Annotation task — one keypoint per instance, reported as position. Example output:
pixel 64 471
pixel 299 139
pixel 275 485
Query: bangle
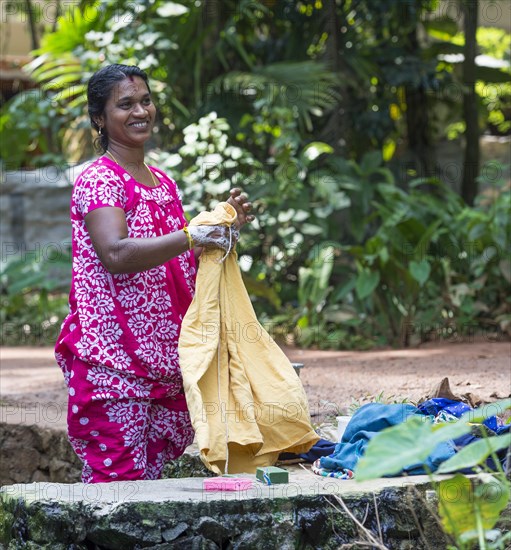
pixel 188 237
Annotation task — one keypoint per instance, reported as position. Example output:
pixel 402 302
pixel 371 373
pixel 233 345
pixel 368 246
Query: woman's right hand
pixel 214 236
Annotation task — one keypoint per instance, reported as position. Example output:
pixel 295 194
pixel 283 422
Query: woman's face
pixel 129 113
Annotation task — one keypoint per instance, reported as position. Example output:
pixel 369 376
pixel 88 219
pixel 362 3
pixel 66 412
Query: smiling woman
pixel 125 120
pixel 134 264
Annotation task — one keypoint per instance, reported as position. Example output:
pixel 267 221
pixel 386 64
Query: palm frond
pixel 308 86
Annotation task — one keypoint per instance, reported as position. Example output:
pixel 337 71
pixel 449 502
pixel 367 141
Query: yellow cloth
pixel 259 406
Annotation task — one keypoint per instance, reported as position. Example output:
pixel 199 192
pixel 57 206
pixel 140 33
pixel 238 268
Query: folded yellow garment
pixel 246 403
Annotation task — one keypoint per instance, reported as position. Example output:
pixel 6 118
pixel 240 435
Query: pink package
pixel 227 484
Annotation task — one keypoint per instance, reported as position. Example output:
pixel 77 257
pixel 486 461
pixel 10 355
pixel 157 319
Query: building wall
pixel 34 212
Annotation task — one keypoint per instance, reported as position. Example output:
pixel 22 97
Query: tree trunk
pixel 58 11
pixel 469 185
pixel 207 72
pixel 335 128
pixel 32 24
pixel 417 124
pixel 417 117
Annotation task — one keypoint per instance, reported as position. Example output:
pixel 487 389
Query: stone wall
pixel 30 453
pixel 306 513
pixel 178 514
pixel 34 211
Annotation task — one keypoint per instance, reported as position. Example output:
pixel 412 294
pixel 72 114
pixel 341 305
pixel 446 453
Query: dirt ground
pixel 334 380
pixel 32 388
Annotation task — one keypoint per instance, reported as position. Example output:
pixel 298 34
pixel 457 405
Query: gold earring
pixel 100 131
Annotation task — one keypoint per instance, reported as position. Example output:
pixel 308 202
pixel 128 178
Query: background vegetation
pixel 330 115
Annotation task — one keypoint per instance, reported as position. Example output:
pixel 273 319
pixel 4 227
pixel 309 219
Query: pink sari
pixel 118 344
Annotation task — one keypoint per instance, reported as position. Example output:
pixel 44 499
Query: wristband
pixel 188 237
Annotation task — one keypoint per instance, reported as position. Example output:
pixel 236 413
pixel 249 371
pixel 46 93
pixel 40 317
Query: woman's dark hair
pixel 99 89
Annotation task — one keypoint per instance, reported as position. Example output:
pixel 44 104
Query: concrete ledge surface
pixel 179 514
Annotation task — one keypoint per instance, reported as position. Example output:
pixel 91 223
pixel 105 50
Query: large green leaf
pixel 398 447
pixel 313 281
pixel 463 503
pixel 430 234
pixel 420 271
pixel 475 453
pixel 367 281
pixel 370 162
pixel 342 291
pixel 323 266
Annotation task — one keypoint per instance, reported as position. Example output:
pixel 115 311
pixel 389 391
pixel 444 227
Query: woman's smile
pixel 140 124
pixel 129 113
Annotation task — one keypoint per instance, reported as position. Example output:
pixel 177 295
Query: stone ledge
pixel 178 514
pixel 32 453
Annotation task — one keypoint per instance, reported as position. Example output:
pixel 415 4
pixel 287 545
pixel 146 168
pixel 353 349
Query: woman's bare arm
pixel 120 254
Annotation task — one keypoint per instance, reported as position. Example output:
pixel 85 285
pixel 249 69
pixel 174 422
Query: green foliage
pixel 494 87
pixel 282 238
pixel 45 126
pixel 424 265
pixel 469 508
pixel 34 298
pixel 493 75
pixel 474 454
pixel 260 59
pixel 308 86
pixel 301 114
pixel 313 291
pixel 33 121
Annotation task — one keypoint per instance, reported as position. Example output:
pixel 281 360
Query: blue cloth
pixel 457 408
pixel 322 448
pixel 441 453
pixel 436 404
pixel 367 422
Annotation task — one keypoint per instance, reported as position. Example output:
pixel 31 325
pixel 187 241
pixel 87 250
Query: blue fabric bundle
pixel 457 408
pixel 367 422
pixel 372 418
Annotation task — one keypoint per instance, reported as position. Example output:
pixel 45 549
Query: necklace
pixel 155 184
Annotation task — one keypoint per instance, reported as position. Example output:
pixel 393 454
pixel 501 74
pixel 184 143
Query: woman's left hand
pixel 242 205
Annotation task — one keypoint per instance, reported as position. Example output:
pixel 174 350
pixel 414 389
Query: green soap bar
pixel 273 474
